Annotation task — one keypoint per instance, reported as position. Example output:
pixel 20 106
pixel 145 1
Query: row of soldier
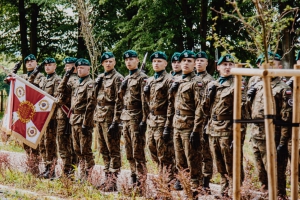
pixel 187 114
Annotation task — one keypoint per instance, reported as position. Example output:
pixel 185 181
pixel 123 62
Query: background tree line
pixel 51 28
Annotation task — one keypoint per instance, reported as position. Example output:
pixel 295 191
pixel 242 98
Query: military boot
pixel 206 187
pixel 133 179
pixel 103 184
pixel 49 174
pixel 41 175
pixel 111 183
pixel 177 185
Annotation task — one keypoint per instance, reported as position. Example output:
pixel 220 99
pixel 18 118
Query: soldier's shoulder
pixel 208 78
pixel 39 75
pixel 119 76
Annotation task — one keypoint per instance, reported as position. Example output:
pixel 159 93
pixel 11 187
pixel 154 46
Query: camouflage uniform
pixel 135 110
pixel 82 106
pixel 176 74
pixel 64 132
pixel 27 148
pixel 219 108
pixel 283 104
pixel 186 104
pixel 162 153
pixel 47 144
pixel 107 111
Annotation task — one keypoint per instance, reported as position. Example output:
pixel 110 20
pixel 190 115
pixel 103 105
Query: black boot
pixel 111 183
pixel 195 194
pixel 206 187
pixel 133 179
pixel 49 174
pixel 41 175
pixel 103 184
pixel 177 185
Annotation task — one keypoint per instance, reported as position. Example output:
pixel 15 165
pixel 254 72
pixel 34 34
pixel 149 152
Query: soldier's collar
pixel 201 73
pixel 81 79
pixel 109 72
pixel 50 75
pixel 175 73
pixel 29 73
pixel 131 72
pixel 158 74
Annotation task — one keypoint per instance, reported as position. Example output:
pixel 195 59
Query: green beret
pixel 29 57
pixel 106 55
pixel 68 60
pixel 187 54
pixel 49 60
pixel 272 56
pixel 201 54
pixel 226 58
pixel 175 57
pixel 82 62
pixel 298 56
pixel 158 54
pixel 258 60
pixel 129 54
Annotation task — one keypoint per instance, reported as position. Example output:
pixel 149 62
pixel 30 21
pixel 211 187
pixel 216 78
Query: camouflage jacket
pixel 108 108
pixel 36 80
pixel 185 104
pixel 157 99
pixel 133 98
pixel 283 103
pixel 219 108
pixel 82 100
pixel 178 74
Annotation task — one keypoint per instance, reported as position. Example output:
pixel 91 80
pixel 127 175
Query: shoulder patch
pixel 200 84
pixel 288 92
pixel 90 86
pixel 243 88
pixel 145 79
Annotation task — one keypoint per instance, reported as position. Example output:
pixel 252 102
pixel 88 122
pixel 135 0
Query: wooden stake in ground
pixel 237 136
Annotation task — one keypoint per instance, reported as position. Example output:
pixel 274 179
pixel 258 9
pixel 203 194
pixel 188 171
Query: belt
pixel 106 104
pixel 132 107
pixel 222 117
pixel 78 111
pixel 157 112
pixel 185 112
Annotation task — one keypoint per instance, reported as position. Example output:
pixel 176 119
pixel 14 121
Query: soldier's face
pixel 176 66
pixel 224 68
pixel 298 62
pixel 109 64
pixel 50 68
pixel 277 64
pixel 83 71
pixel 30 65
pixel 187 65
pixel 159 64
pixel 69 66
pixel 131 63
pixel 201 64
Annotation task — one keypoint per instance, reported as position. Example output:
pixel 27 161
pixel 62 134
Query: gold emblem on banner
pixel 44 104
pixel 31 131
pixel 26 111
pixel 20 92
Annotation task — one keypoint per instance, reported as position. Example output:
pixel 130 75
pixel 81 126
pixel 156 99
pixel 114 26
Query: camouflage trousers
pixel 223 157
pixel 207 162
pixel 109 148
pixel 135 148
pixel 31 151
pixel 83 147
pixel 290 156
pixel 162 153
pixel 48 146
pixel 260 155
pixel 187 157
pixel 65 146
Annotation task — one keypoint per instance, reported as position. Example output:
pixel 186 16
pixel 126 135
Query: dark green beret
pixel 298 56
pixel 175 57
pixel 201 54
pixel 82 62
pixel 258 60
pixel 106 55
pixel 272 56
pixel 49 60
pixel 29 57
pixel 158 54
pixel 129 54
pixel 226 58
pixel 187 54
pixel 68 60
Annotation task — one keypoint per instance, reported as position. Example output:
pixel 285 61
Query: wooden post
pixel 237 136
pixel 270 136
pixel 295 137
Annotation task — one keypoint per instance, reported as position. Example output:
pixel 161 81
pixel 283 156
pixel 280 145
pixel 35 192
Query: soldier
pixel 185 102
pixel 82 107
pixel 176 68
pixel 107 117
pixel 134 117
pixel 47 145
pixel 218 105
pixel 283 112
pixel 156 93
pixel 207 163
pixel 64 132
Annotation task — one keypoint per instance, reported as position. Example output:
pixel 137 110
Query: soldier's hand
pixel 124 84
pixel 69 72
pixel 281 152
pixel 142 128
pixel 147 89
pixel 17 67
pixel 290 83
pixel 84 130
pixel 174 87
pixel 195 140
pixel 99 81
pixel 251 93
pixel 113 129
pixel 38 68
pixel 166 134
pixel 212 91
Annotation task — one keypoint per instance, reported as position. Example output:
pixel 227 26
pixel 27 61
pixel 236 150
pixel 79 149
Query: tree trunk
pixel 203 24
pixel 186 13
pixel 81 48
pixel 23 31
pixel 35 9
